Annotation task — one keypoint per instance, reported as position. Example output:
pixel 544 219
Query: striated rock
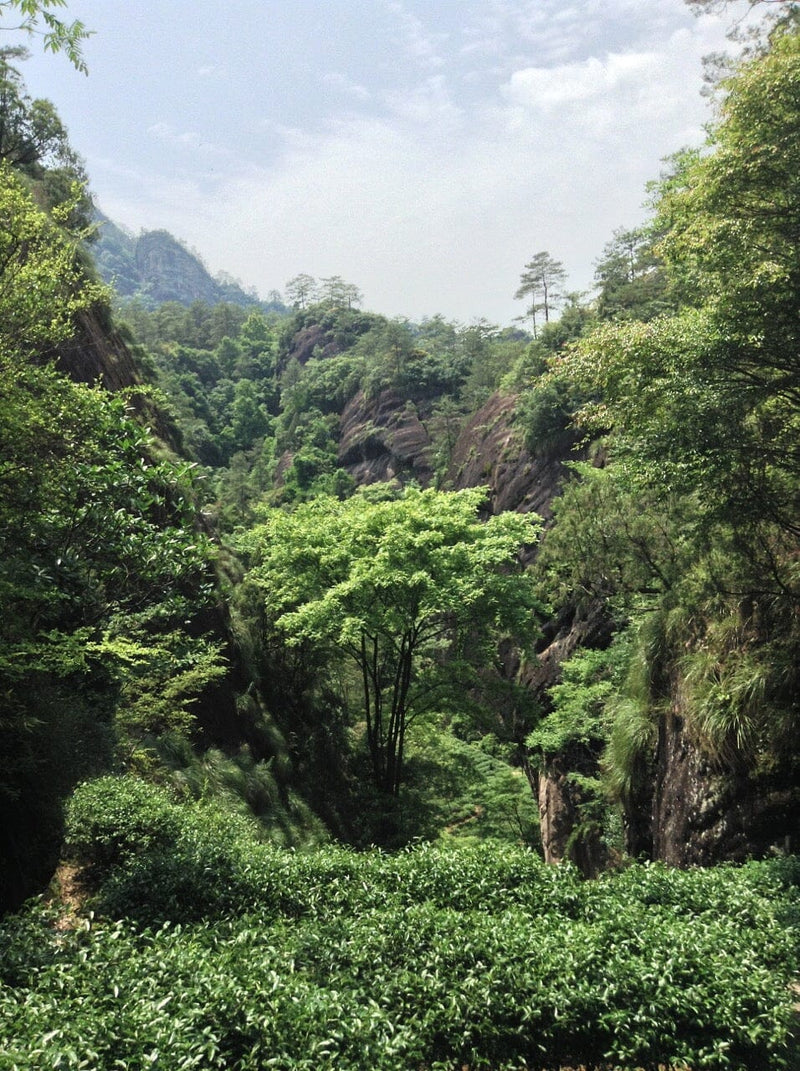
pixel 169 272
pixel 97 354
pixel 489 451
pixel 383 439
pixel 702 811
pixel 560 797
pixel 308 340
pixel 156 267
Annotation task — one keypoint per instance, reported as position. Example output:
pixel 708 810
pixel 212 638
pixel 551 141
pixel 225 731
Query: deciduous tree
pixel 412 591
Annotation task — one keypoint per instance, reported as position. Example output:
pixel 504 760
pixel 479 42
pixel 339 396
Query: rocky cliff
pixel 693 810
pixel 155 267
pixel 387 437
pixel 490 452
pixel 383 439
pixel 97 354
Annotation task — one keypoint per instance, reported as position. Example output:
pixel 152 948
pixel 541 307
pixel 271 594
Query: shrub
pixel 111 820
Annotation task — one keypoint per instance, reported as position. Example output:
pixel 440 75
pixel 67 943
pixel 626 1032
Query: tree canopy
pixel 411 589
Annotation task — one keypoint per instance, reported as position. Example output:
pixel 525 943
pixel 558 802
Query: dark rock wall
pixel 489 451
pixel 97 354
pixel 383 439
pixel 702 810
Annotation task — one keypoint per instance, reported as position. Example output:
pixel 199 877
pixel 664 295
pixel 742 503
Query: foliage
pixel 544 411
pixel 631 279
pixel 541 282
pixel 409 589
pixel 478 956
pixel 471 789
pixel 707 398
pixel 39 18
pixel 691 531
pixel 34 142
pixel 578 717
pixel 98 549
pixel 43 284
pixel 112 820
pixel 263 789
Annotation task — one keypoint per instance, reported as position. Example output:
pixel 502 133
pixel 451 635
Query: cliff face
pixel 490 452
pixel 97 354
pixel 156 267
pixel 384 439
pixel 169 272
pixel 692 810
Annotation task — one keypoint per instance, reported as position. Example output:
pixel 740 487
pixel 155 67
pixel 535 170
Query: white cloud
pixel 420 45
pixel 190 140
pixel 428 102
pixel 550 87
pixel 342 84
pixel 433 175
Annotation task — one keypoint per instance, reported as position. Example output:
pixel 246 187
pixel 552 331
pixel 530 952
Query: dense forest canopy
pixel 292 574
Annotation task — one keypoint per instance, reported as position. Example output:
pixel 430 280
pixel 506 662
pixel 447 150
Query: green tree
pixel 301 290
pixel 98 550
pixel 693 529
pixel 542 284
pixel 339 293
pixel 413 591
pixel 38 18
pixel 34 141
pixel 710 397
pixel 631 281
pixel 42 285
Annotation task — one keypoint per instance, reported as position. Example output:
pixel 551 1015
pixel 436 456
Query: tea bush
pixel 228 953
pixel 112 820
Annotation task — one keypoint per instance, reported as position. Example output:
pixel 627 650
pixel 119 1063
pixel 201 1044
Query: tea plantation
pixel 208 949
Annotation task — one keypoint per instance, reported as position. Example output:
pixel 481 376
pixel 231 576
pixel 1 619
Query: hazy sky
pixel 422 149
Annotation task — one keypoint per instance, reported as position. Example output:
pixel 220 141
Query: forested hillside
pixel 154 267
pixel 324 633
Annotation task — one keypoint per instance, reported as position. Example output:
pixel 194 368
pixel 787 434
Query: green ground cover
pixel 209 949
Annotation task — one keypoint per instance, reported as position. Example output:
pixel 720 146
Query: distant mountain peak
pixel 157 267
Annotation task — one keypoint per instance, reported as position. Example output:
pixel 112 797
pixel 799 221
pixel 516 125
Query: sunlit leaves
pixel 405 587
pixel 430 958
pixel 42 285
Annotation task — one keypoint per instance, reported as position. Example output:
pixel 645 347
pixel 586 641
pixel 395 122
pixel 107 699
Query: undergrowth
pixel 220 951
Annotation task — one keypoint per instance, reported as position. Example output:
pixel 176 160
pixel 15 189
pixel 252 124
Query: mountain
pixel 156 267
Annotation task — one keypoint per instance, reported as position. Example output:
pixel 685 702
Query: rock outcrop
pixel 702 810
pixel 490 452
pixel 97 353
pixel 383 439
pixel 169 272
pixel 156 267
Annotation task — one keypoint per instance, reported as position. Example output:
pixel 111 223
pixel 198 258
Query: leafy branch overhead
pixel 38 18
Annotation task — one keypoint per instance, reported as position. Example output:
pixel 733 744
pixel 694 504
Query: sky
pixel 423 150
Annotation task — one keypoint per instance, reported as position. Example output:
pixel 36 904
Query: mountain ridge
pixel 155 267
